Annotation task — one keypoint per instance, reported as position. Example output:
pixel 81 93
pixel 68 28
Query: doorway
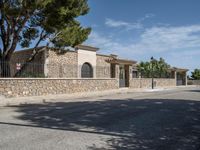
pixel 123 76
pixel 180 79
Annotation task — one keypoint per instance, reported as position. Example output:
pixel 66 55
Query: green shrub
pixel 32 75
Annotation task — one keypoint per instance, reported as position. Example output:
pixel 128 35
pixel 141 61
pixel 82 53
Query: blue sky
pixel 139 29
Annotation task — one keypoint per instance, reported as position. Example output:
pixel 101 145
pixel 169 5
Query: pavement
pixel 165 119
pixel 71 97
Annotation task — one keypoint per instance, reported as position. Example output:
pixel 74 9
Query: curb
pixel 72 97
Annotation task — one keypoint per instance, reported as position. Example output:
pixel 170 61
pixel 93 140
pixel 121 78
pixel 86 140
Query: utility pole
pixel 152 73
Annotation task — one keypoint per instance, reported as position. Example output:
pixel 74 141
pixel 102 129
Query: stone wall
pixel 62 65
pixel 19 87
pixel 165 82
pixel 147 82
pixel 36 87
pixel 65 65
pixel 103 68
pixel 193 82
pixel 140 83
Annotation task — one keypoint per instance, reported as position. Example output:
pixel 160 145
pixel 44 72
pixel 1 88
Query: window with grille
pixel 86 71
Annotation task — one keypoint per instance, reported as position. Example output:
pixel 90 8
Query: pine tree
pixel 26 22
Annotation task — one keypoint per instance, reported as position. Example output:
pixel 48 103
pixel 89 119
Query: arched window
pixel 86 71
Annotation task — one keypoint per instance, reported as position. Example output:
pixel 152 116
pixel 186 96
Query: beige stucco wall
pixel 147 82
pixel 85 56
pixel 36 87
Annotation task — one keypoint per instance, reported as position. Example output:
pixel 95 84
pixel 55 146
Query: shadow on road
pixel 193 90
pixel 132 124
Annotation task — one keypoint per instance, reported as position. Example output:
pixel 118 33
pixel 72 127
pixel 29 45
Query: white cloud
pixel 127 25
pixel 155 39
pixel 106 43
pixel 161 39
pixel 147 16
pixel 175 43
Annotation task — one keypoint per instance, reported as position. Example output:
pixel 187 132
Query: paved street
pixel 162 120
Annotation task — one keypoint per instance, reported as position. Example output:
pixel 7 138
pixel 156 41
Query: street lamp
pixel 152 73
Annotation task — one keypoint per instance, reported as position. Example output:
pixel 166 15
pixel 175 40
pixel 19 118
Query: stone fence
pixel 147 82
pixel 193 82
pixel 19 87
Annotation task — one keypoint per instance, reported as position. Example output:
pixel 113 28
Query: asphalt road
pixel 163 120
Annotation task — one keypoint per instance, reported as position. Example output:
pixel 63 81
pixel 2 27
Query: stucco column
pixel 186 79
pixel 117 74
pixel 130 75
pixel 86 56
pixel 175 77
pixel 117 71
pixel 130 72
pixel 46 62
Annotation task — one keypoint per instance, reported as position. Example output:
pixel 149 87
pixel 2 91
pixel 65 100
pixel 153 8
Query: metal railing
pixel 17 69
pixel 39 70
pixel 56 70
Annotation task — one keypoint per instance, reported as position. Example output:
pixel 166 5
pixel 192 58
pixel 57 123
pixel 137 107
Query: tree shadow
pixel 133 124
pixel 194 91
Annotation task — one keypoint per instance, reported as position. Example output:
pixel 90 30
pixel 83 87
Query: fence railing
pixel 17 69
pixel 56 70
pixel 38 70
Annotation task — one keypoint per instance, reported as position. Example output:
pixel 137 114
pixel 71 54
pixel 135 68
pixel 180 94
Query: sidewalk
pixel 71 97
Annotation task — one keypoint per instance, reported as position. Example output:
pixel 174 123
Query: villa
pixel 81 69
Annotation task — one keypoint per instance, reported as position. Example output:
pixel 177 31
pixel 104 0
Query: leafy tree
pixel 162 68
pixel 26 22
pixel 144 69
pixel 196 74
pixel 156 68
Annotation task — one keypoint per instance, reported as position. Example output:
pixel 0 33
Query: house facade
pixel 56 71
pixel 83 62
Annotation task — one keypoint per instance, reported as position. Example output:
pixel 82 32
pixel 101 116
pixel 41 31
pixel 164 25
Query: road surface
pixel 161 120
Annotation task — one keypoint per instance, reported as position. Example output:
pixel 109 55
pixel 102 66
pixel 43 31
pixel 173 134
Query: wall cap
pixel 58 79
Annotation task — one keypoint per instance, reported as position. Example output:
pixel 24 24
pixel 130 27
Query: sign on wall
pixel 18 66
